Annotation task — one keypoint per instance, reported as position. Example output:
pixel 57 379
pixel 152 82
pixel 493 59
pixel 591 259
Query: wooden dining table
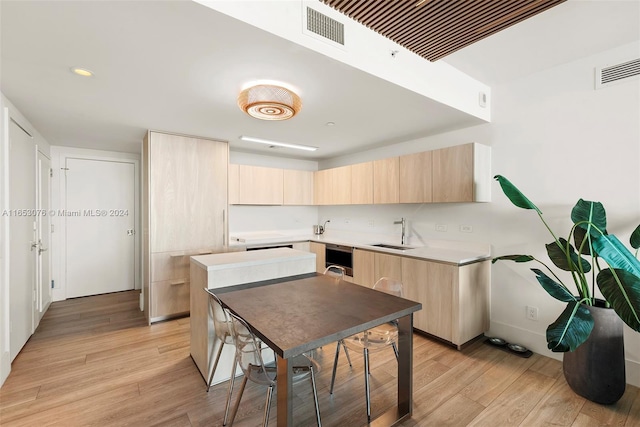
pixel 293 315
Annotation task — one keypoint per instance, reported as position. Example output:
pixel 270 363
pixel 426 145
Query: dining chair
pixel 222 327
pixel 249 356
pixel 371 340
pixel 338 272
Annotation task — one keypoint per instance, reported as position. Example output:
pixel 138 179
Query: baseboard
pixel 537 343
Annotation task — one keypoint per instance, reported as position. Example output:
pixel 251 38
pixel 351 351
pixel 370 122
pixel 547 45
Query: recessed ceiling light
pixel 82 72
pixel 278 144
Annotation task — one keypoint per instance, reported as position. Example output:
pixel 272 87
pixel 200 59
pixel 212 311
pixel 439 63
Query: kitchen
pixel 544 117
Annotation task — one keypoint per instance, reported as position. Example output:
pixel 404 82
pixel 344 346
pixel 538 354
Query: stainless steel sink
pixel 398 248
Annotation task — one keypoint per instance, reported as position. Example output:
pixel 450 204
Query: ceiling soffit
pixel 434 29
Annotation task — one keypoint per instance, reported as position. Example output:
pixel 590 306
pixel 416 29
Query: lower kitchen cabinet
pixel 386 265
pixel 319 250
pixel 455 299
pixel 363 271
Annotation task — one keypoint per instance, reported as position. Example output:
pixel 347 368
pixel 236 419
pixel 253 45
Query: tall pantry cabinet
pixel 184 213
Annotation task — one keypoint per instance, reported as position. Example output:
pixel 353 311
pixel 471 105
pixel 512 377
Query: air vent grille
pixel 615 73
pixel 324 26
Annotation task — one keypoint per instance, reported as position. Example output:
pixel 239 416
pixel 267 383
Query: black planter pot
pixel 596 370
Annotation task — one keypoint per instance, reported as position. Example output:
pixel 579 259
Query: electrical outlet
pixel 532 313
pixel 441 227
pixel 370 223
pixel 466 228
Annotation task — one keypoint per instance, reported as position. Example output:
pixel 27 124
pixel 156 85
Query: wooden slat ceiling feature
pixel 436 28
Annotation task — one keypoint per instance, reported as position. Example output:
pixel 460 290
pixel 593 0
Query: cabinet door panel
pixel 363 268
pixel 234 184
pixel 386 180
pixel 188 192
pixel 432 284
pixel 362 183
pixel 340 185
pixel 319 250
pixel 298 187
pixel 387 266
pixel 260 185
pixel 322 182
pixel 415 178
pixel 453 176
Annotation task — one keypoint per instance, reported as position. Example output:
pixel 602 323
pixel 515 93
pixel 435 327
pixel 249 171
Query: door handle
pixel 34 245
pixel 41 249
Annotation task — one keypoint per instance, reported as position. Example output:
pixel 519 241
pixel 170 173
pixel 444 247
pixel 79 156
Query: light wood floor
pixel 93 361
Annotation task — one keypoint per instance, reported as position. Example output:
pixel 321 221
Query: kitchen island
pixel 229 269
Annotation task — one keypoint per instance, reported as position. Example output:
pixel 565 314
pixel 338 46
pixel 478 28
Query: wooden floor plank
pixel 95 361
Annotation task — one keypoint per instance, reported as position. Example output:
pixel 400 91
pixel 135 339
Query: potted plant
pixel 589 330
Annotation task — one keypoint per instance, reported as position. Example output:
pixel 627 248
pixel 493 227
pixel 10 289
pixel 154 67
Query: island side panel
pixel 202 335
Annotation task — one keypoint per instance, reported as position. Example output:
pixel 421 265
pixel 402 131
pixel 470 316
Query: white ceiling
pixel 178 66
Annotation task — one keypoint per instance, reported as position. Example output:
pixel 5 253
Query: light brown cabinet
pixel 462 174
pixel 298 187
pixel 386 180
pixel 415 178
pixel 386 265
pixel 184 213
pixel 363 271
pixel 333 186
pixel 319 250
pixel 260 186
pixel 362 184
pixel 455 299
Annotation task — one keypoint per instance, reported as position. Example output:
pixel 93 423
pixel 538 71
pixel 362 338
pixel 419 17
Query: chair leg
pixel 366 383
pixel 395 349
pixel 267 406
pixel 346 351
pixel 215 365
pixel 235 407
pixel 232 380
pixel 315 396
pixel 335 367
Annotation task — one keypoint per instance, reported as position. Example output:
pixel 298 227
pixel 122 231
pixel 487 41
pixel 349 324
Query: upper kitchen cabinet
pixel 234 184
pixel 362 183
pixel 415 178
pixel 386 180
pixel 462 174
pixel 298 187
pixel 258 185
pixel 184 213
pixel 333 186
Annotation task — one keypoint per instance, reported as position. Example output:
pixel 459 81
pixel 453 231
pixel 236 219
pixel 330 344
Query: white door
pixel 43 234
pixel 99 223
pixel 22 254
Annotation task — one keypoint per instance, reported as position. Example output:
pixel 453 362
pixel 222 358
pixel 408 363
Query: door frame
pixel 59 156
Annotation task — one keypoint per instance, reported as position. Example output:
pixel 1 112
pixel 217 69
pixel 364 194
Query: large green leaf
pixel 558 255
pixel 616 254
pixel 570 329
pixel 622 290
pixel 516 258
pixel 552 287
pixel 592 212
pixel 516 197
pixel 635 238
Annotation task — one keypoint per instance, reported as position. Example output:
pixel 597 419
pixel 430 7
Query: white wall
pixel 558 140
pixel 8 111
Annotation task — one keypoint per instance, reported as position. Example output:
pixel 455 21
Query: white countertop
pixel 451 252
pixel 227 260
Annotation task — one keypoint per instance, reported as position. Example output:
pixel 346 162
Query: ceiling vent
pixel 607 76
pixel 324 26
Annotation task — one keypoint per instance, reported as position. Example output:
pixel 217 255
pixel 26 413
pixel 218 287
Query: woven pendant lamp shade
pixel 269 102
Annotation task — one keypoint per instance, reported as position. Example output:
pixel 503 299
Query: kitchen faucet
pixel 404 226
